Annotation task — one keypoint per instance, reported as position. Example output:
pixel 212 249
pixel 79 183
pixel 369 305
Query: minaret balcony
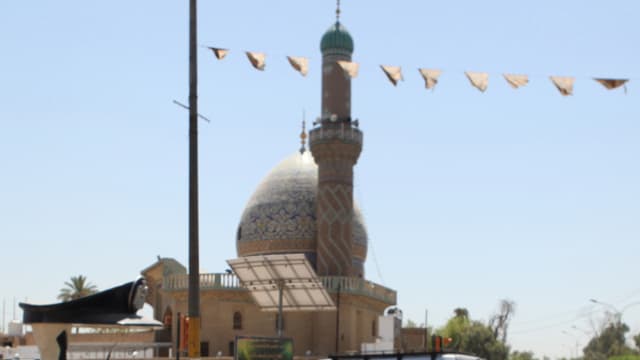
pixel 343 132
pixel 333 284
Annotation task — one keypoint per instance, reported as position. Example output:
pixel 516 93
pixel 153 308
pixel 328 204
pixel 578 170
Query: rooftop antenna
pixel 303 134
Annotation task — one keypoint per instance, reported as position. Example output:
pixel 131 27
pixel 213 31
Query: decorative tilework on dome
pixel 283 206
pixel 280 221
pixel 283 209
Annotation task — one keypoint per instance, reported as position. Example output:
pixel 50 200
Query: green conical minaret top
pixel 336 38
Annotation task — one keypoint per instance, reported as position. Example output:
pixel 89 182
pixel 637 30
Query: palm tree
pixel 76 288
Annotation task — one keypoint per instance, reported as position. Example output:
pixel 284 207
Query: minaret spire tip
pixel 303 134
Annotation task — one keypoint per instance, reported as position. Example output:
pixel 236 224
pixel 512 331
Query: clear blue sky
pixel 469 197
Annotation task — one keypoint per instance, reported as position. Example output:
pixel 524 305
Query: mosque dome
pixel 280 216
pixel 336 38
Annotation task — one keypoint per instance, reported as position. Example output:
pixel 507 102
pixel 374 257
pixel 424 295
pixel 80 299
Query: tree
pixel 499 323
pixel 478 339
pixel 637 340
pixel 608 343
pixel 472 337
pixel 75 288
pixel 410 324
pixel 522 355
pixel 461 312
pixel 456 326
pixel 625 357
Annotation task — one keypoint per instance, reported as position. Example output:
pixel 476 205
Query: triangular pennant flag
pixel 219 53
pixel 613 83
pixel 564 84
pixel 394 73
pixel 301 64
pixel 430 77
pixel 257 59
pixel 350 68
pixel 516 81
pixel 479 80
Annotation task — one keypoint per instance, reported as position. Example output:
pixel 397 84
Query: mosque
pixel 303 205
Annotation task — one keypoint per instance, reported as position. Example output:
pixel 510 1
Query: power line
pixel 555 324
pixel 577 315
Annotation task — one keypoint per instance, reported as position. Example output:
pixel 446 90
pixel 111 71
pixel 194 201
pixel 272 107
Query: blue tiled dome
pixel 280 217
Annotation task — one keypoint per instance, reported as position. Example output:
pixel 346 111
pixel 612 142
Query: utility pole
pixel 194 254
pixel 426 330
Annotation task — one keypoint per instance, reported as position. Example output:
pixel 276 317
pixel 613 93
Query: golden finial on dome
pixel 303 135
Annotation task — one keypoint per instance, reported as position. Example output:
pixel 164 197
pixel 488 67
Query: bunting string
pixel 479 80
pixel 564 84
pixel 430 77
pixel 300 64
pixel 219 53
pixel 350 68
pixel 516 81
pixel 257 59
pixel 613 83
pixel 394 73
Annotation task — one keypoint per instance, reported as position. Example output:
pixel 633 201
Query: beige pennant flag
pixel 349 68
pixel 516 81
pixel 564 84
pixel 219 53
pixel 480 80
pixel 430 77
pixel 257 59
pixel 394 73
pixel 613 83
pixel 301 64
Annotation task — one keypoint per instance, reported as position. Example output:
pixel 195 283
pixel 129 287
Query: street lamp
pixel 617 313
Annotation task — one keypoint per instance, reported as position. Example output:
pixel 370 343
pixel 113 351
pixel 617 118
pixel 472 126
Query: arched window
pixel 237 321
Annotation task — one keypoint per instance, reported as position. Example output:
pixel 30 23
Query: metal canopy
pixel 265 275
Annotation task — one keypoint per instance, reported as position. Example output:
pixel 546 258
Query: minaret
pixel 335 144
